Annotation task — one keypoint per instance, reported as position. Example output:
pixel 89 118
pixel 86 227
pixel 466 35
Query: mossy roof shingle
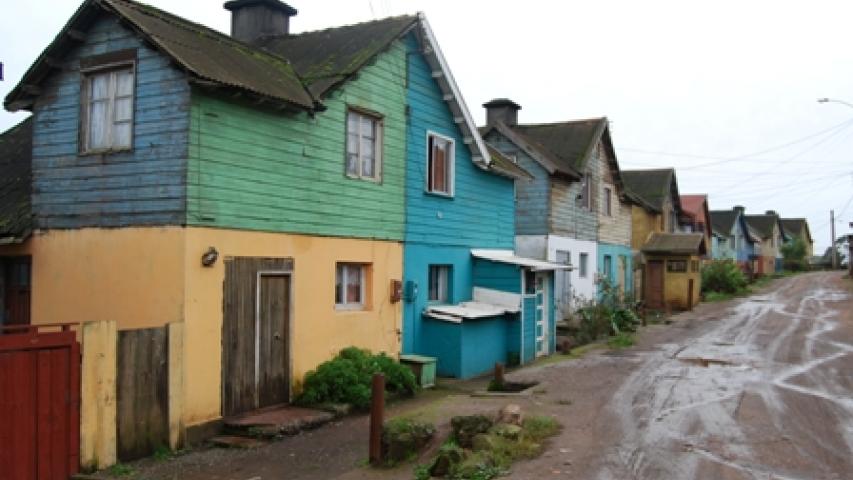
pixel 762 224
pixel 676 243
pixel 653 186
pixel 16 182
pixel 722 221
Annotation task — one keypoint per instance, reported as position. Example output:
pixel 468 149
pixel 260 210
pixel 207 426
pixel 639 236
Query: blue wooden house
pixel 469 300
pixel 733 239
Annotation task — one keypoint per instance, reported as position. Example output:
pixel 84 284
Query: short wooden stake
pixel 377 415
pixel 499 374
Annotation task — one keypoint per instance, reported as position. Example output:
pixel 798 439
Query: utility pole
pixel 832 243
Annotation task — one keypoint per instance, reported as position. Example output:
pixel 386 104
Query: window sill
pixel 350 308
pixel 448 196
pixel 109 151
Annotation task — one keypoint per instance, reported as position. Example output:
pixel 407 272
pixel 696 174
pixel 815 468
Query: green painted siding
pixel 261 169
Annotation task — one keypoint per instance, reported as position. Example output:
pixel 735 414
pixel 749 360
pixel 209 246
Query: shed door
pixel 563 284
pixel 255 334
pixel 654 284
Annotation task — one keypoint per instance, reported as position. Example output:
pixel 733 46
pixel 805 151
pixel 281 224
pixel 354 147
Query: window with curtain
pixel 350 286
pixel 440 164
pixel 108 110
pixel 439 283
pixel 364 146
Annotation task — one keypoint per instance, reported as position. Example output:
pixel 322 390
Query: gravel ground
pixel 752 388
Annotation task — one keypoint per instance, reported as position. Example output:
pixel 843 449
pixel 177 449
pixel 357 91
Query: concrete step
pixel 276 421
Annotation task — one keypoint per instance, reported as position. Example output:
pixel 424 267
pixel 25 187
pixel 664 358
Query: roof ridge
pixel 348 25
pixel 564 122
pixel 16 126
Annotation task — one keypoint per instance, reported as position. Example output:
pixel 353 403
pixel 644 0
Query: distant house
pixel 799 228
pixel 768 228
pixel 733 239
pixel 695 216
pixel 556 215
pixel 668 276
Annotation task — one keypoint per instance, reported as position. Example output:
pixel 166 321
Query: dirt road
pixel 759 387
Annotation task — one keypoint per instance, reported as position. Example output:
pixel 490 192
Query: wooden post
pixel 377 414
pixel 499 374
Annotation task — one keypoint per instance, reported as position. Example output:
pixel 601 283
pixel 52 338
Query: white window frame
pixel 443 288
pixel 86 106
pixel 377 144
pixel 451 166
pixel 345 276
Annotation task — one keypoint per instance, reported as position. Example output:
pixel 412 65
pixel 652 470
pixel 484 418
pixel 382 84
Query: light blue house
pixel 468 300
pixel 733 239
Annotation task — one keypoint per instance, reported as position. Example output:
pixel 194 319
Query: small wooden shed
pixel 672 270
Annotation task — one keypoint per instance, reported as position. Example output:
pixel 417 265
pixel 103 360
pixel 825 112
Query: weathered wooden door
pixel 255 334
pixel 39 404
pixel 654 284
pixel 563 285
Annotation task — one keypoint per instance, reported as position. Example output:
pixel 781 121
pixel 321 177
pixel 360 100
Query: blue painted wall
pixel 615 252
pixel 532 196
pixel 442 230
pixel 145 186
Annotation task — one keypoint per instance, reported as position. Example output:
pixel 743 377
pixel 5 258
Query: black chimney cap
pixel 502 102
pixel 235 4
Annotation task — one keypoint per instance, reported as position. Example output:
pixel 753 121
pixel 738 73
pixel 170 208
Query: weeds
pixel 621 340
pixel 121 470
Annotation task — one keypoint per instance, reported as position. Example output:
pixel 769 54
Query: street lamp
pixel 832 100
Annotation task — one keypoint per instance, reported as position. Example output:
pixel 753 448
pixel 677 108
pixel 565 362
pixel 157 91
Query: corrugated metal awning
pixel 508 256
pixel 466 310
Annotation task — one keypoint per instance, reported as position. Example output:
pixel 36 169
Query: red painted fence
pixel 39 402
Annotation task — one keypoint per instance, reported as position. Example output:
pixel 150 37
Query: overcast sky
pixel 724 91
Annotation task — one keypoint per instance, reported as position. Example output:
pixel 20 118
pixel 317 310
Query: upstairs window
pixel 439 164
pixel 108 110
pixel 608 206
pixel 364 146
pixel 439 283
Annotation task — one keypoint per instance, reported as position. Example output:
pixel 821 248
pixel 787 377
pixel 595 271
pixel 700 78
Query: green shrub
pixel 723 276
pixel 794 255
pixel 347 379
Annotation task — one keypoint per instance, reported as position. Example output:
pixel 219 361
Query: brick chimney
pixel 739 208
pixel 502 109
pixel 771 212
pixel 252 19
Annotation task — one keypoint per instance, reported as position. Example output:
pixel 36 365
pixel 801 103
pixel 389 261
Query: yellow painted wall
pixel 319 331
pixel 643 224
pixel 132 276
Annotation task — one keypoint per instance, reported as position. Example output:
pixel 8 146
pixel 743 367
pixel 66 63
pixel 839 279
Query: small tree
pixel 723 276
pixel 794 255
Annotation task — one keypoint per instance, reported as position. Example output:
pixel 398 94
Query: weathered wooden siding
pixel 614 229
pixel 567 218
pixel 531 205
pixel 257 169
pixel 643 224
pixel 145 186
pixel 481 212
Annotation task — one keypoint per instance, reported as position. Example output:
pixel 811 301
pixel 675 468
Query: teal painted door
pixel 542 314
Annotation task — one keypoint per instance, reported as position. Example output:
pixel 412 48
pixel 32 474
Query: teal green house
pixel 469 301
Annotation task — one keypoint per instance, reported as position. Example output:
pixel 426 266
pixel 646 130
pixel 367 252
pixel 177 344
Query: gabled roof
pixel 723 221
pixel 762 224
pixel 326 58
pixel 676 243
pixel 209 57
pixel 796 227
pixel 653 186
pixel 16 146
pixel 694 205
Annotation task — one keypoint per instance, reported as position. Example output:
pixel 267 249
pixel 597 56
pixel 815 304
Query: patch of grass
pixel 621 340
pixel 539 427
pixel 121 470
pixel 422 472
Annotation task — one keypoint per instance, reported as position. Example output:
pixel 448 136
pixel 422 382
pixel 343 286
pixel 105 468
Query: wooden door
pixel 273 356
pixel 654 284
pixel 39 404
pixel 255 333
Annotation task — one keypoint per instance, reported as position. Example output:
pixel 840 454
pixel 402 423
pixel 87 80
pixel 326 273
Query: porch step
pixel 229 441
pixel 276 421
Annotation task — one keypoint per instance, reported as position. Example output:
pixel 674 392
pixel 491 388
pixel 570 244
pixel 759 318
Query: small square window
pixel 108 110
pixel 364 146
pixel 350 286
pixel 440 157
pixel 439 283
pixel 676 266
pixel 582 268
pixel 694 265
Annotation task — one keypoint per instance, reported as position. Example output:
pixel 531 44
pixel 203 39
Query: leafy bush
pixel 610 315
pixel 723 276
pixel 347 379
pixel 794 255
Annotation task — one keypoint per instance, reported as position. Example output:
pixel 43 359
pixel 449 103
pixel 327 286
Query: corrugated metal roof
pixel 16 220
pixel 508 256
